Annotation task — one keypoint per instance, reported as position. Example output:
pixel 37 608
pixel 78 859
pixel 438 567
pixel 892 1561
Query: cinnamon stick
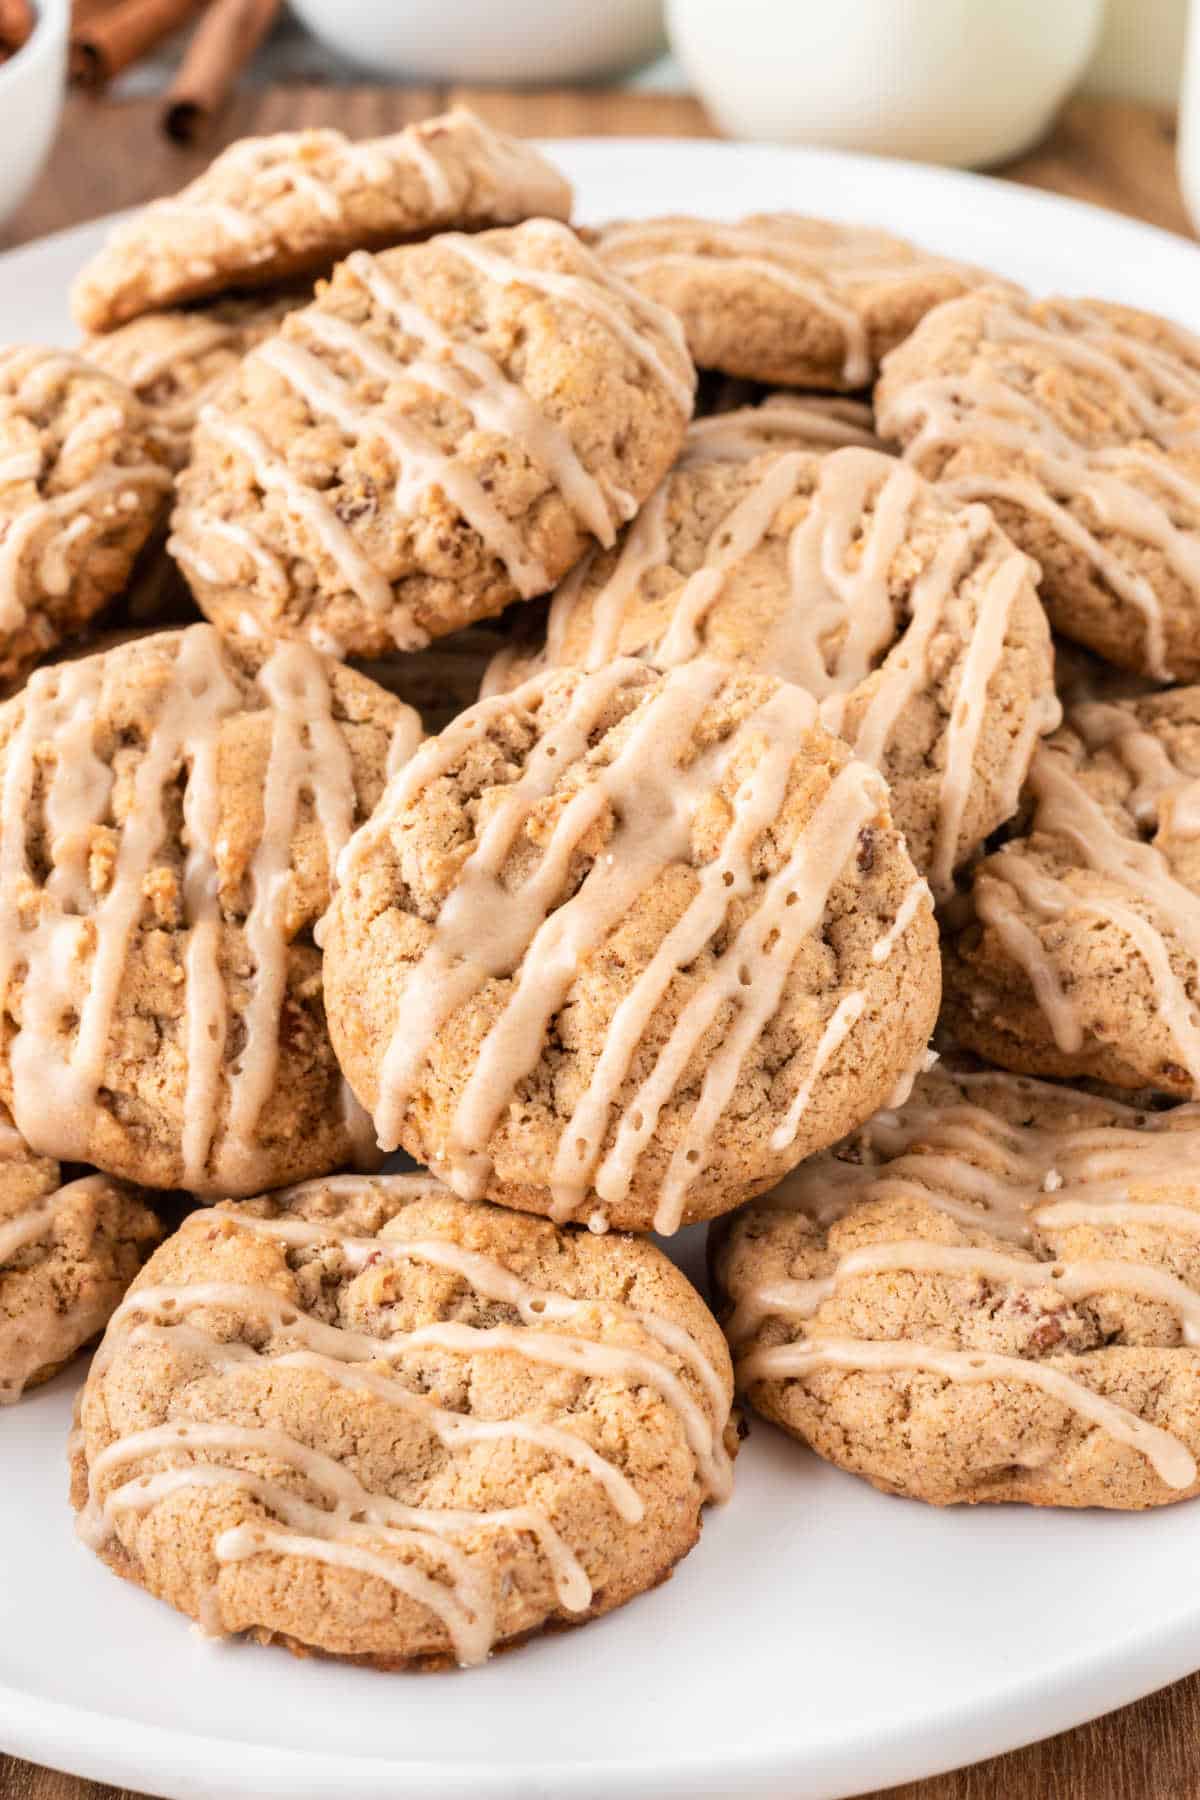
pixel 104 43
pixel 226 38
pixel 16 26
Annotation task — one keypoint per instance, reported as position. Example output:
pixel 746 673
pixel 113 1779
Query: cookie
pixel 784 299
pixel 621 948
pixel 992 1293
pixel 781 421
pixel 1078 423
pixel 914 623
pixel 445 430
pixel 375 1421
pixel 67 1255
pixel 82 485
pixel 1081 953
pixel 272 208
pixel 171 811
pixel 176 362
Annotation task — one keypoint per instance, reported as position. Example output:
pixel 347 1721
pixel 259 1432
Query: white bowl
pixel 948 81
pixel 31 98
pixel 524 42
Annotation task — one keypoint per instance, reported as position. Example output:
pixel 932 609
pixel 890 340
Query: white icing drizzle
pixel 1023 1184
pixel 466 374
pixel 837 623
pixel 273 475
pixel 420 465
pixel 445 365
pixel 907 911
pixel 1160 387
pixel 782 421
pixel 485 932
pixel 1169 1457
pixel 1142 898
pixel 601 293
pixel 827 274
pixel 38 530
pixel 72 950
pixel 350 1525
pixel 247 178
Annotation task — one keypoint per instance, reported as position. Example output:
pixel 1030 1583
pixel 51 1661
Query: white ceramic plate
pixel 822 1639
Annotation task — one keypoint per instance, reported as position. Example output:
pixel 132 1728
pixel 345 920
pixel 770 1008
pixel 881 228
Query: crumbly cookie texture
pixel 1081 952
pixel 82 485
pixel 990 1293
pixel 780 298
pixel 621 947
pixel 370 1419
pixel 272 208
pixel 67 1255
pixel 914 623
pixel 178 361
pixel 444 431
pixel 172 811
pixel 1078 422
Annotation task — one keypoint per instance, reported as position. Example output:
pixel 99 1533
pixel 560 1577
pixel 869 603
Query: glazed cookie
pixel 622 947
pixel 992 1293
pixel 445 430
pixel 781 421
pixel 1079 424
pixel 176 362
pixel 785 299
pixel 269 209
pixel 1082 953
pixel 171 812
pixel 67 1255
pixel 915 623
pixel 82 484
pixel 375 1421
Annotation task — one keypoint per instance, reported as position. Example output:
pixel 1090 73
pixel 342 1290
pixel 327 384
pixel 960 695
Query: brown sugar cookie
pixel 271 208
pixel 177 361
pixel 621 947
pixel 379 1422
pixel 82 485
pixel 914 622
pixel 1081 952
pixel 67 1254
pixel 445 430
pixel 1078 422
pixel 171 812
pixel 785 299
pixel 991 1293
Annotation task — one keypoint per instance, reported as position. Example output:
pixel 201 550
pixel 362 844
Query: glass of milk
pixel 950 81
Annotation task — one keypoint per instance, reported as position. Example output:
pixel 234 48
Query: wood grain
pixel 1112 154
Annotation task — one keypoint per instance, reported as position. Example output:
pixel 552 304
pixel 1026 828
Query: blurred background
pixel 106 102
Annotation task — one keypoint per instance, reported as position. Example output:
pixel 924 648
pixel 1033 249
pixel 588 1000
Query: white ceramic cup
pixel 31 97
pixel 951 81
pixel 523 42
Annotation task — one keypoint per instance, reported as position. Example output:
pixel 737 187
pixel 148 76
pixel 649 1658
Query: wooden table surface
pixel 1108 152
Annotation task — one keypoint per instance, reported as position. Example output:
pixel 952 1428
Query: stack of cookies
pixel 590 800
